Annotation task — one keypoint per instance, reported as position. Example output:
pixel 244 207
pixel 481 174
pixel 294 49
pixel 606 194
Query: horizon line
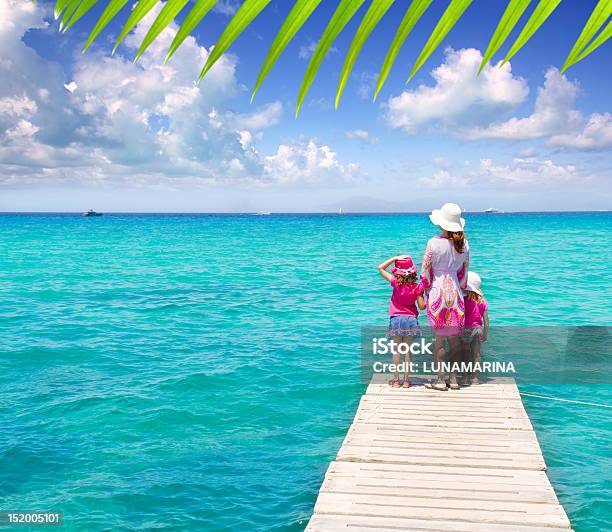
pixel 335 213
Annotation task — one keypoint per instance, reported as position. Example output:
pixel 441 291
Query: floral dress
pixel 444 275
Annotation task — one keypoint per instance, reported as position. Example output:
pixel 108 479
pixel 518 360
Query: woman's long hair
pixel 458 239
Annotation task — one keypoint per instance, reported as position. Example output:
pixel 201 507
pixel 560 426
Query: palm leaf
pixel 60 5
pixel 70 9
pixel 543 10
pixel 601 38
pixel 450 17
pixel 343 14
pixel 243 17
pixel 85 6
pixel 197 13
pixel 600 14
pixel 509 19
pixel 113 7
pixel 372 17
pixel 166 16
pixel 299 14
pixel 140 11
pixel 412 16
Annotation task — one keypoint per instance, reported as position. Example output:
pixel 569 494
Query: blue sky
pixel 94 130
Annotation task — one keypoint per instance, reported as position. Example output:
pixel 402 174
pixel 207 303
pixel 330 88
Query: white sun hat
pixel 448 217
pixel 473 283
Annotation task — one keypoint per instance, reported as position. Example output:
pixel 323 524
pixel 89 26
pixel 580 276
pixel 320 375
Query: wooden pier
pixel 419 459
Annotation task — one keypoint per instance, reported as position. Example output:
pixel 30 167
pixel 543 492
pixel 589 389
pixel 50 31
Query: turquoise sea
pixel 200 371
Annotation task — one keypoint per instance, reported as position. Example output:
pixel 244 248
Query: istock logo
pixel 385 346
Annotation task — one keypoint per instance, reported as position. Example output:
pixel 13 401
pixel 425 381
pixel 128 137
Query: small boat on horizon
pixel 91 212
pixel 491 210
pixel 263 213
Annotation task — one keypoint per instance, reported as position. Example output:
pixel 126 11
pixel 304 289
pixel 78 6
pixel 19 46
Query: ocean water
pixel 199 372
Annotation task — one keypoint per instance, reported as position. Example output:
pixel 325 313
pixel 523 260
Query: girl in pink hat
pixel 403 312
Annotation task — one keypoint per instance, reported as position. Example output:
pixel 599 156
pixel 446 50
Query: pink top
pixel 403 299
pixel 474 312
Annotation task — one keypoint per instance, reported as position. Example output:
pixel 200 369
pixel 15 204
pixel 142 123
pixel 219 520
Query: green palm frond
pixel 60 5
pixel 197 13
pixel 591 37
pixel 243 17
pixel 450 17
pixel 295 20
pixel 341 17
pixel 113 7
pixel 543 10
pixel 139 12
pixel 83 8
pixel 166 16
pixel 601 38
pixel 68 12
pixel 601 13
pixel 412 16
pixel 377 9
pixel 507 23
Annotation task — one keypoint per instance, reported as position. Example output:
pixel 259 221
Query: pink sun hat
pixel 404 266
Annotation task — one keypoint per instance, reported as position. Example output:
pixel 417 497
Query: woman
pixel 444 275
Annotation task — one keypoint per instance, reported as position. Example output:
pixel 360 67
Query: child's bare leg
pixel 396 360
pixel 466 356
pixel 455 356
pixel 439 359
pixel 475 348
pixel 407 340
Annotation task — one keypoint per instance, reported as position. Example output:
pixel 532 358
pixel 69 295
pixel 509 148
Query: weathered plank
pixel 352 523
pixel 420 459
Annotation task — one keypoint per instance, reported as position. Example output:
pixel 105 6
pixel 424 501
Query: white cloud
pixel 367 84
pixel 596 134
pixel 553 111
pixel 17 106
pixel 267 116
pixel 459 97
pixel 226 7
pixel 309 162
pixel 519 172
pixel 554 119
pixel 144 123
pixel 306 50
pixel 362 135
pixel 444 179
pixel 528 171
pixel 23 129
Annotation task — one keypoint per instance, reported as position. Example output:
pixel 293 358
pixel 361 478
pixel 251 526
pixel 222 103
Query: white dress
pixel 443 275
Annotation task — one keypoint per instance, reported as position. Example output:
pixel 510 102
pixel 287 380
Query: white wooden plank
pixel 450 458
pixel 435 410
pixel 414 420
pixel 407 442
pixel 437 489
pixel 443 398
pixel 461 487
pixel 351 523
pixel 433 432
pixel 405 470
pixel 448 509
pixel 444 402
